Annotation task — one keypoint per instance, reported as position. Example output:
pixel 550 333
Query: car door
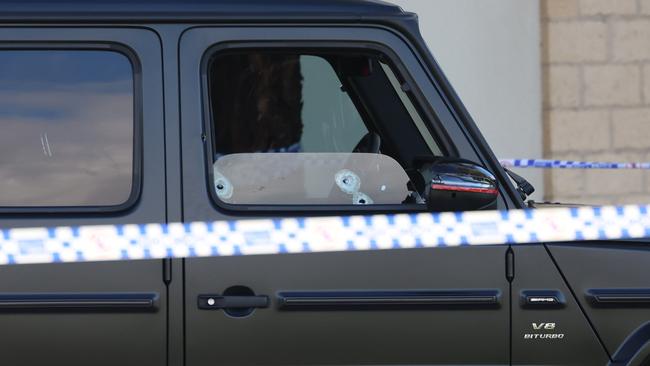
pixel 364 311
pixel 82 143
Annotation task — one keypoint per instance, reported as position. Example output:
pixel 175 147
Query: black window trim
pixel 137 166
pixel 430 119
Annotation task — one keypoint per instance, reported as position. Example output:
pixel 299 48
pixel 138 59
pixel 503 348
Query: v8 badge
pixel 543 330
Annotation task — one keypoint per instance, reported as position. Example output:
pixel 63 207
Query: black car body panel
pixel 569 304
pixel 104 336
pixel 610 282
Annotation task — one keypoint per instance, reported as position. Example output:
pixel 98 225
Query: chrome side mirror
pixel 457 185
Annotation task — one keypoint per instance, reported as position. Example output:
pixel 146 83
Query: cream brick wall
pixel 596 79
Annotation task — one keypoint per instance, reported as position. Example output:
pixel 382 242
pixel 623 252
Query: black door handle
pixel 215 302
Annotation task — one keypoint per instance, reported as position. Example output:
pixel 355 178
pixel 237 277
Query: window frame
pixel 137 152
pixel 426 112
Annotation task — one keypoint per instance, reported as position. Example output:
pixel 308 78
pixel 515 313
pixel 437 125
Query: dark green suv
pixel 115 112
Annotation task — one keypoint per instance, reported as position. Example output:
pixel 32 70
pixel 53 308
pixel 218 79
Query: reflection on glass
pixel 66 128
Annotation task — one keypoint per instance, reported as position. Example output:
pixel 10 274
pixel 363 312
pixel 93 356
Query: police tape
pixel 570 164
pixel 321 234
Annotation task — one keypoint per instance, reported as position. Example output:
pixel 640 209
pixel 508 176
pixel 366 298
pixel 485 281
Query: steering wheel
pixel 369 143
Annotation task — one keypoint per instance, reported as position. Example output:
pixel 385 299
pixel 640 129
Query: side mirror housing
pixel 457 185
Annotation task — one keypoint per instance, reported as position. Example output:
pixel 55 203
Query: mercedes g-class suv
pixel 139 111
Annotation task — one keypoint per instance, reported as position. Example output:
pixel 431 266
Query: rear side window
pixel 67 122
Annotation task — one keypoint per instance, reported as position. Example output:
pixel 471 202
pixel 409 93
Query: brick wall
pixel 596 80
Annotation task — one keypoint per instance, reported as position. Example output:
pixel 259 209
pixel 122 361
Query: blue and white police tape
pixel 570 164
pixel 324 234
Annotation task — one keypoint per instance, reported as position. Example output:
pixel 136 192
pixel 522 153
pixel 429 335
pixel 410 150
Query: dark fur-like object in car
pixel 256 102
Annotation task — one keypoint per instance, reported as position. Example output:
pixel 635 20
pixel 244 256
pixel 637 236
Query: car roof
pixel 31 10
